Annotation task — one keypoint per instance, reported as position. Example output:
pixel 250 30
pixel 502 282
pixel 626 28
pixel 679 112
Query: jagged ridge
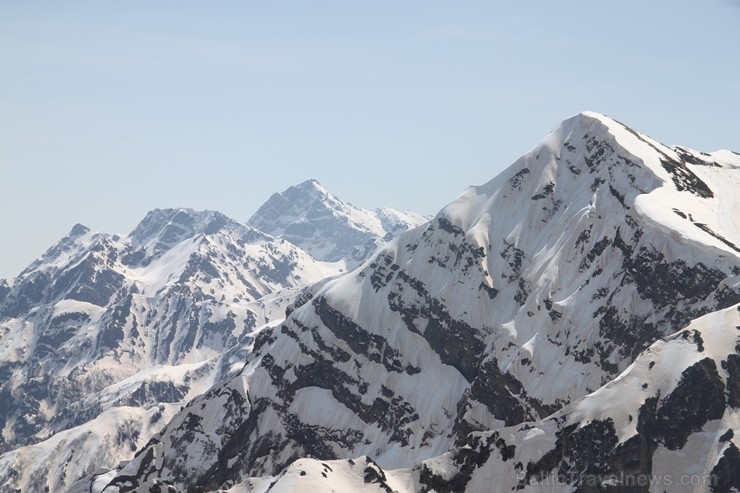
pixel 309 216
pixel 104 336
pixel 517 299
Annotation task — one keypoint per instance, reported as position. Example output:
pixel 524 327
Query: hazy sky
pixel 111 108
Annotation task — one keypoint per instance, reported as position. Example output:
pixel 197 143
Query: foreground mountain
pixel 574 316
pixel 666 424
pixel 104 337
pixel 309 216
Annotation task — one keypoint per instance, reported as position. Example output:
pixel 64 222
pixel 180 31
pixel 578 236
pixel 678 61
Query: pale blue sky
pixel 111 108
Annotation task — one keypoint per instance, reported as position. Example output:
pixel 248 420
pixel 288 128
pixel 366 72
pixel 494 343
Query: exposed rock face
pixel 665 422
pixel 515 330
pixel 309 216
pixel 101 323
pixel 105 336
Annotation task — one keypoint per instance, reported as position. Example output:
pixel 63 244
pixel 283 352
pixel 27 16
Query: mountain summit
pixel 104 337
pixel 308 216
pixel 574 318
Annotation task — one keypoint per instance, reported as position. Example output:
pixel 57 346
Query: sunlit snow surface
pixel 547 301
pixel 586 287
pixel 104 336
pixel 329 229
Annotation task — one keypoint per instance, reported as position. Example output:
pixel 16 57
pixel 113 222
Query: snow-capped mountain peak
pixel 523 296
pixel 309 216
pixel 104 337
pixel 161 229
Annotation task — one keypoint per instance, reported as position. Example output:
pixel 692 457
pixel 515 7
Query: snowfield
pixel 571 325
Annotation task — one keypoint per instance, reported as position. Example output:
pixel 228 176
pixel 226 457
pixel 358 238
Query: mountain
pixel 673 426
pixel 308 216
pixel 667 423
pixel 576 315
pixel 100 323
pixel 104 337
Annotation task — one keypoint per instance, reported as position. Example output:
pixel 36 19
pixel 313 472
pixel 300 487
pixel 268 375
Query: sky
pixel 109 109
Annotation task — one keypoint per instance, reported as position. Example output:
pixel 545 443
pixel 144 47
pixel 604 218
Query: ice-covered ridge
pixel 102 324
pixel 312 218
pixel 685 191
pixel 614 420
pixel 709 182
pixel 517 300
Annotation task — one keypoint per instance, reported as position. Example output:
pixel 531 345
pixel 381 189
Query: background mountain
pixel 575 315
pixel 308 216
pixel 104 336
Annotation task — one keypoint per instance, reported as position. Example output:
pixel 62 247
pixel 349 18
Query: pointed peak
pixel 309 186
pixel 311 182
pixel 291 205
pixel 593 115
pixel 310 217
pixel 169 226
pixel 302 196
pixel 162 217
pixel 590 126
pixel 586 119
pixel 78 230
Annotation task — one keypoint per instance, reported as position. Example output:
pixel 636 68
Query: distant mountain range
pixel 573 325
pixel 104 337
pixel 308 216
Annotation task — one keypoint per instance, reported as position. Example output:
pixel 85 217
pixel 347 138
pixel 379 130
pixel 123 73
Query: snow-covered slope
pixel 667 423
pixel 103 322
pixel 519 299
pixel 104 336
pixel 309 216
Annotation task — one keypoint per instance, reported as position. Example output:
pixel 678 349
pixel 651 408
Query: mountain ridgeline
pixel 309 216
pixel 105 336
pixel 572 325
